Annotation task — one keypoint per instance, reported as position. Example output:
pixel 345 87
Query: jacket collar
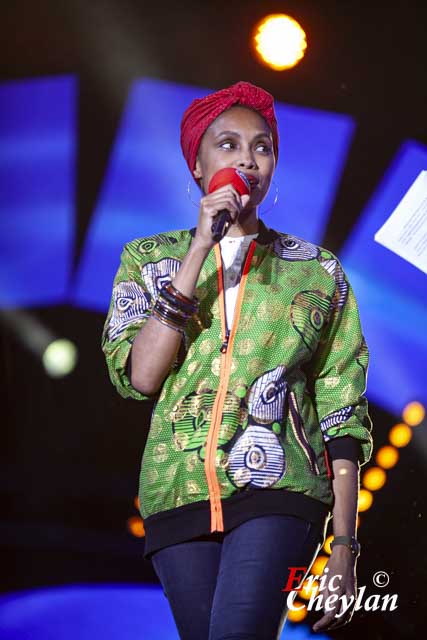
pixel 265 234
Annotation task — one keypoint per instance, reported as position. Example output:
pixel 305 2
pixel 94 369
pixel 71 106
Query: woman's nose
pixel 247 161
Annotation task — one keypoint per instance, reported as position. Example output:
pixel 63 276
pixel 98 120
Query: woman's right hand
pixel 226 197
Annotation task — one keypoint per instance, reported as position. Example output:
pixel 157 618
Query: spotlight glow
pixel 327 545
pixel 318 565
pixel 365 500
pixel 387 457
pixel 280 42
pixel 374 478
pixel 297 614
pixel 309 588
pixel 400 435
pixel 414 413
pixel 136 526
pixel 59 358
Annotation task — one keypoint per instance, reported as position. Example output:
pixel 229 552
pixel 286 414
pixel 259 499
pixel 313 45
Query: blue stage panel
pixel 145 186
pixel 89 612
pixel 37 187
pixel 391 293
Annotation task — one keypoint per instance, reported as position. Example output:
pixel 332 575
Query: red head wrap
pixel 203 111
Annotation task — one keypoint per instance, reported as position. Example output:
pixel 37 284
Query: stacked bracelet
pixel 178 299
pixel 173 309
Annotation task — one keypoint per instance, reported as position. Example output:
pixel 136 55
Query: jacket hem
pixel 193 520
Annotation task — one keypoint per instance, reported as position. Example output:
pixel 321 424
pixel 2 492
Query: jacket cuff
pixel 344 447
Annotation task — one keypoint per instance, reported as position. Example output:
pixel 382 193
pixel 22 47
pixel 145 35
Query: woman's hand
pixel 226 197
pixel 342 565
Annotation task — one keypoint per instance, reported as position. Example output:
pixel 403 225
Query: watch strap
pixel 347 541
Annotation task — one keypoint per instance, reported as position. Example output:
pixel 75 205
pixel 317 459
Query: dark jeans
pixel 232 589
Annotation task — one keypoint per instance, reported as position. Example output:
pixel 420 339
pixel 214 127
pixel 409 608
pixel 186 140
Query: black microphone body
pixel 239 180
pixel 220 225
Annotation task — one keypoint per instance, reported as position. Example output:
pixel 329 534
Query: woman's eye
pixel 264 148
pixel 227 144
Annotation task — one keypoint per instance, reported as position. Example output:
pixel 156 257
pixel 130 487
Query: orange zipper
pixel 217 523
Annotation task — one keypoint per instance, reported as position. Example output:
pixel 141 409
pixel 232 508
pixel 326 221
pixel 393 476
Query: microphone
pixel 242 185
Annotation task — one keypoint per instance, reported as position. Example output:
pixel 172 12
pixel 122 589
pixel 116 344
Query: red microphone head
pixel 232 176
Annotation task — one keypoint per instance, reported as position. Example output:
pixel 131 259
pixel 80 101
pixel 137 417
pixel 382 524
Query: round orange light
pixel 136 502
pixel 327 545
pixel 136 526
pixel 400 435
pixel 374 478
pixel 308 588
pixel 298 614
pixel 365 500
pixel 414 413
pixel 387 457
pixel 318 565
pixel 280 42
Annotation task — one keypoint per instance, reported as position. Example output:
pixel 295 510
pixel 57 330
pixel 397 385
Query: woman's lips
pixel 253 180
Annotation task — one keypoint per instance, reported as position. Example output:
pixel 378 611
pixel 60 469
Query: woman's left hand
pixel 341 584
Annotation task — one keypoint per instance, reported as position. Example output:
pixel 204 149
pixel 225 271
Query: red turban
pixel 203 111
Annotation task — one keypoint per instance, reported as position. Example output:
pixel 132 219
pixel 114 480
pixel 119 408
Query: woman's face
pixel 239 138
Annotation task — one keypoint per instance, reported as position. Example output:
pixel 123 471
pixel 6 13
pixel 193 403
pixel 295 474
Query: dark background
pixel 71 448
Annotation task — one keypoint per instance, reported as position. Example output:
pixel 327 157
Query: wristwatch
pixel 349 542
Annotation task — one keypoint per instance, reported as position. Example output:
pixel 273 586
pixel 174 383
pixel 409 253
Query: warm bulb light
pixel 414 413
pixel 318 565
pixel 298 614
pixel 327 545
pixel 400 435
pixel 365 500
pixel 374 478
pixel 136 526
pixel 387 457
pixel 309 587
pixel 280 41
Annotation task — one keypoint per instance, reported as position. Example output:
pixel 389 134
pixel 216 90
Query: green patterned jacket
pixel 255 415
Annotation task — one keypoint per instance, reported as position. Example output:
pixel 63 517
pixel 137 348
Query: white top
pixel 233 253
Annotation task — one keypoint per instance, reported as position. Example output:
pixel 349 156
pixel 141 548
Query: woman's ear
pixel 197 172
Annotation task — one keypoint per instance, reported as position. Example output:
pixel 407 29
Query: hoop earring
pixel 276 197
pixel 193 202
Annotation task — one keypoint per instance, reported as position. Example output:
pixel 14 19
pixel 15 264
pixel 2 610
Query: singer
pixel 249 341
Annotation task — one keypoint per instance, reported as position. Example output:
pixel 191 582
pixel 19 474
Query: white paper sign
pixel 405 231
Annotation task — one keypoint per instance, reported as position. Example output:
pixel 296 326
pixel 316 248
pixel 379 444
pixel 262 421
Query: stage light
pixel 298 614
pixel 58 355
pixel 59 358
pixel 136 502
pixel 414 413
pixel 136 526
pixel 318 565
pixel 365 500
pixel 309 588
pixel 400 435
pixel 387 457
pixel 327 545
pixel 374 478
pixel 280 42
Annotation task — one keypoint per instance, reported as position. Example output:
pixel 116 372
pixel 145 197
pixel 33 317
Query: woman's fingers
pixel 225 198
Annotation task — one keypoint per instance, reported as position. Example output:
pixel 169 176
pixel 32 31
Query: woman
pixel 253 350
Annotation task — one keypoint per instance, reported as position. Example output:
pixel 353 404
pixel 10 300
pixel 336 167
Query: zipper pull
pixel 224 345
